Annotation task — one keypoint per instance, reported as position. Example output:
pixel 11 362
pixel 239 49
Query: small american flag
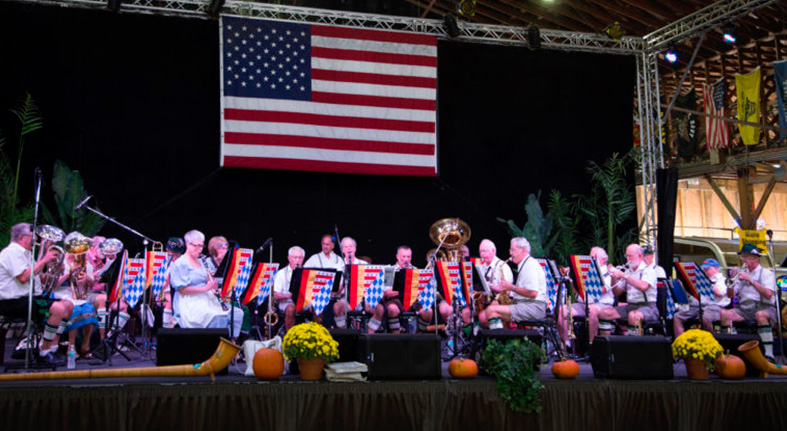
pixel 328 99
pixel 715 129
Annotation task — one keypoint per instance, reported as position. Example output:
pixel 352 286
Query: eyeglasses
pixel 197 245
pixel 224 246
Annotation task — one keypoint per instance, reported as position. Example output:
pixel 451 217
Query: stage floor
pixel 234 401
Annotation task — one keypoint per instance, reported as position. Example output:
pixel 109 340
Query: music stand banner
pixel 261 282
pixel 449 281
pixel 467 279
pixel 357 284
pixel 315 289
pixel 156 278
pixel 374 281
pixel 551 285
pixel 412 279
pixel 588 279
pixel 239 272
pixel 426 288
pixel 134 281
pixel 696 281
pixel 117 284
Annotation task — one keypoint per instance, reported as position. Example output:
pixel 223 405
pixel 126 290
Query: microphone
pixel 265 245
pixel 81 204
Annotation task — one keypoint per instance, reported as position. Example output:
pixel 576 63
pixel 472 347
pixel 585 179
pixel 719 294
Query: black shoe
pixel 51 359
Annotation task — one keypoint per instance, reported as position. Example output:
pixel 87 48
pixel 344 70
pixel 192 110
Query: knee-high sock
pixel 374 324
pixel 50 332
pixel 495 323
pixel 61 328
pixel 341 321
pixel 766 335
pixel 422 324
pixel 393 324
pixel 122 320
pixel 167 317
pixel 102 317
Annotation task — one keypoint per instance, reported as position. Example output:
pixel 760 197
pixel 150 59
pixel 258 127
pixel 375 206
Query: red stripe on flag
pixel 374 35
pixel 372 78
pixel 328 120
pixel 327 166
pixel 378 101
pixel 374 57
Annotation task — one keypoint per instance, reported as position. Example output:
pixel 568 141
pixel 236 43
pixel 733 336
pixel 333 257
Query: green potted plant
pixel 515 365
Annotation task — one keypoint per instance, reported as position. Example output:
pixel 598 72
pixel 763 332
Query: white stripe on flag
pixel 289 129
pixel 299 153
pixel 329 109
pixel 374 46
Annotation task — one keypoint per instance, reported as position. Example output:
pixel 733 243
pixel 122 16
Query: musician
pixel 464 252
pixel 606 300
pixel 15 273
pixel 326 259
pixel 76 281
pixel 756 290
pixel 281 286
pixel 175 248
pixel 217 249
pixel 493 269
pixel 195 304
pixel 349 247
pixel 648 255
pixel 97 294
pixel 710 312
pixel 639 283
pixel 529 293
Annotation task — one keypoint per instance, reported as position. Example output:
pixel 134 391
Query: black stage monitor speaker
pixel 731 342
pixel 624 357
pixel 401 356
pixel 348 344
pixel 178 346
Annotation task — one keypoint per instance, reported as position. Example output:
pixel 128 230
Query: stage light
pixel 671 55
pixel 615 31
pixel 114 5
pixel 729 35
pixel 533 37
pixel 467 8
pixel 450 25
pixel 214 8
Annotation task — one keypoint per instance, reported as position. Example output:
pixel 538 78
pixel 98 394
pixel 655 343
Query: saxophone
pixel 483 299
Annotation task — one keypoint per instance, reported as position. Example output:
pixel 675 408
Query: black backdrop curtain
pixel 132 102
pixel 667 197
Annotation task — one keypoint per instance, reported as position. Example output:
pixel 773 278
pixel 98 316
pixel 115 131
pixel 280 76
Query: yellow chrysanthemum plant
pixel 310 341
pixel 697 344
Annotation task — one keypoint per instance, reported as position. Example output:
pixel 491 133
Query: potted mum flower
pixel 699 351
pixel 312 345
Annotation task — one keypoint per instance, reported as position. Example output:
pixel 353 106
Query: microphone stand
pixel 38 180
pixel 146 241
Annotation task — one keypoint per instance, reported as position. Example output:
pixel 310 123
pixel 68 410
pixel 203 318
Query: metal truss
pixel 714 15
pixel 649 119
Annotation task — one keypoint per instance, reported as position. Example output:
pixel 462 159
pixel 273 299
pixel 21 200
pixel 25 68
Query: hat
pixel 648 249
pixel 750 249
pixel 176 245
pixel 707 263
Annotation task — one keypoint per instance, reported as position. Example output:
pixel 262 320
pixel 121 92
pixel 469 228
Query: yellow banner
pixel 756 237
pixel 748 90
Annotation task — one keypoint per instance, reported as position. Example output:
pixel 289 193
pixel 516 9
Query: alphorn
pixel 751 351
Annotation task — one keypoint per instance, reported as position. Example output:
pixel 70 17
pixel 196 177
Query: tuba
pixel 450 234
pixel 78 245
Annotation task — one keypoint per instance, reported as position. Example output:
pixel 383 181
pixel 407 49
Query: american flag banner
pixel 118 284
pixel 374 280
pixel 134 280
pixel 551 285
pixel 450 281
pixel 426 289
pixel 315 289
pixel 696 282
pixel 412 279
pixel 716 131
pixel 587 278
pixel 261 283
pixel 328 98
pixel 238 274
pixel 155 274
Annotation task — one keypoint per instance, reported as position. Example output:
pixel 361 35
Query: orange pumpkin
pixel 268 364
pixel 463 368
pixel 730 367
pixel 565 369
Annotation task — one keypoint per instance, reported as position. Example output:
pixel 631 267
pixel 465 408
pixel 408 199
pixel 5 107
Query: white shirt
pixel 719 284
pixel 531 276
pixel 14 260
pixel 645 273
pixel 319 260
pixel 747 292
pixel 496 271
pixel 281 283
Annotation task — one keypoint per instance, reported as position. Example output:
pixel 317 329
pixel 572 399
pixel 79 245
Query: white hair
pixel 19 229
pixel 194 235
pixel 521 242
pixel 347 238
pixel 294 249
pixel 600 252
pixel 490 243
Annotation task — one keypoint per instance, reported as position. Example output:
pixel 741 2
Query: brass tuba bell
pixel 452 233
pixel 78 245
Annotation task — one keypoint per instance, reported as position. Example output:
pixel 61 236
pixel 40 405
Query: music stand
pixel 588 282
pixel 696 283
